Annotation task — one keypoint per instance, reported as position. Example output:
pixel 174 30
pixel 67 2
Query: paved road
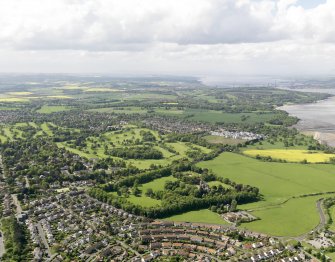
pixel 41 233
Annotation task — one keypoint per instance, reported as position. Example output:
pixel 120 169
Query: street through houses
pixel 2 245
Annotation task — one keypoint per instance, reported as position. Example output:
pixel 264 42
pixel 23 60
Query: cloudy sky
pixel 193 37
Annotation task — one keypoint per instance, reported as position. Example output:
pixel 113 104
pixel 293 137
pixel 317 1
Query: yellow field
pixel 101 89
pixel 72 87
pixel 20 93
pixel 59 97
pixel 292 155
pixel 13 99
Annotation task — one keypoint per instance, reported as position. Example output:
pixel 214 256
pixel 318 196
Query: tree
pixel 233 205
pixel 149 192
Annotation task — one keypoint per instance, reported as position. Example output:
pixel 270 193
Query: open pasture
pixel 143 201
pixel 296 217
pixel 278 183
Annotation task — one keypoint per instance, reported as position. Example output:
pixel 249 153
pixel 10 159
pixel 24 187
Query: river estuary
pixel 317 119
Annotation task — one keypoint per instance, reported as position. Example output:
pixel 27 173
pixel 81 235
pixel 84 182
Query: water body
pixel 317 119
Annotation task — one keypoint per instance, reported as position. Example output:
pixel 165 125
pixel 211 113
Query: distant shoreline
pixel 315 123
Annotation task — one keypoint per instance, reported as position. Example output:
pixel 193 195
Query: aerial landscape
pixel 154 131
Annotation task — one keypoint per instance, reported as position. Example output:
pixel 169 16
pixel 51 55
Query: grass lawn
pixel 157 184
pixel 59 97
pixel 276 181
pixel 299 142
pixel 332 214
pixel 123 110
pixel 102 89
pixel 146 163
pixel 199 216
pixel 291 155
pixel 128 137
pixel 143 201
pixel 217 183
pixel 331 256
pixel 219 116
pixel 8 133
pixel 46 109
pixel 180 147
pixel 223 140
pixel 296 217
pixel 46 129
pixel 168 111
pixel 76 151
pixel 14 99
pixel 32 124
pixel 8 108
pixel 22 93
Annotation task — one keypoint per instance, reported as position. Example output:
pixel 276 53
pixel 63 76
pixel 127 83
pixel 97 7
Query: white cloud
pixel 182 35
pixel 107 24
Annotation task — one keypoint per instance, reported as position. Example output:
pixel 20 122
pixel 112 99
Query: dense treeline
pixel 138 152
pixel 15 237
pixel 139 178
pixel 173 205
pixel 189 192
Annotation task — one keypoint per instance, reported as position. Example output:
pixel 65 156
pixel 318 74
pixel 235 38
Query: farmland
pixel 291 155
pixel 278 182
pixel 124 152
pixel 284 219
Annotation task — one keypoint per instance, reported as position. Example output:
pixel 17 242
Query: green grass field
pixel 218 116
pixel 157 184
pixel 127 137
pixel 123 110
pixel 95 147
pixel 294 218
pixel 299 142
pixel 291 155
pixel 46 129
pixel 46 109
pixel 143 201
pixel 199 216
pixel 332 214
pixel 218 183
pixel 277 182
pixel 331 256
pixel 223 140
pixel 204 115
